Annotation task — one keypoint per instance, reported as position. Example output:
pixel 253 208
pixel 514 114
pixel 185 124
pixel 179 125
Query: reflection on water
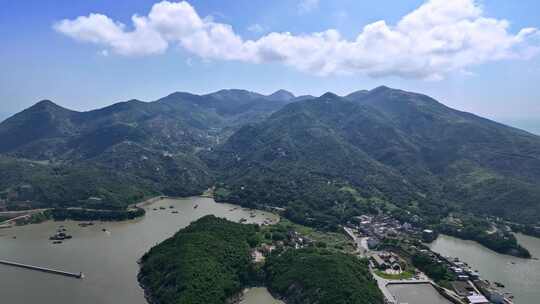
pixel 107 258
pixel 520 276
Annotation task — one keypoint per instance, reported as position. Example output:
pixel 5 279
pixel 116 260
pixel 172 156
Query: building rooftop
pixel 477 299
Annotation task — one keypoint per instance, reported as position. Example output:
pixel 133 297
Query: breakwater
pixel 79 275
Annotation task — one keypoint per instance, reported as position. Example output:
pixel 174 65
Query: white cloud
pixel 306 6
pixel 437 38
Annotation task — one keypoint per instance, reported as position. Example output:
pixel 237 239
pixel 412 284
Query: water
pixel 417 293
pixel 108 259
pixel 520 276
pixel 258 295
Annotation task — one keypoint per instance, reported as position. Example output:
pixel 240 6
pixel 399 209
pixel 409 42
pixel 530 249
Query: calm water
pixel 259 295
pixel 520 276
pixel 108 259
pixel 417 294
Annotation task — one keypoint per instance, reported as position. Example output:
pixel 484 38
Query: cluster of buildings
pixel 468 285
pixel 387 260
pixel 293 239
pixel 378 227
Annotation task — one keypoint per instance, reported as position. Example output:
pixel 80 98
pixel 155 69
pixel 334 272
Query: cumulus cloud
pixel 437 38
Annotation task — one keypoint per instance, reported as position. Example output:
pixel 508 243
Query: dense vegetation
pixel 324 160
pixel 120 153
pixel 400 150
pixel 320 276
pixel 437 271
pixel 206 263
pixel 95 215
pixel 210 262
pixel 46 185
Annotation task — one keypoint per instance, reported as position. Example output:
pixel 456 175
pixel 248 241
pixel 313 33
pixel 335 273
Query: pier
pixel 79 275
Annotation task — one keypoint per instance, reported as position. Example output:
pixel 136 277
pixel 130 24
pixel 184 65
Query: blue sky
pixel 41 59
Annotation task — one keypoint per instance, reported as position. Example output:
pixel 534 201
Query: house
pixel 379 262
pixel 477 299
pixel 463 289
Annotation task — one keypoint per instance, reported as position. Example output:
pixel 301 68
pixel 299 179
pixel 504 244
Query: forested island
pixel 61 214
pixel 206 263
pixel 210 262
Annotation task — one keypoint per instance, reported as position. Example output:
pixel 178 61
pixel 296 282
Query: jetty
pixel 79 275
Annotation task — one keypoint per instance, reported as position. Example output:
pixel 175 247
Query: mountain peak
pixel 356 95
pixel 234 94
pixel 381 88
pixel 281 95
pixel 46 103
pixel 48 106
pixel 329 95
pixel 178 97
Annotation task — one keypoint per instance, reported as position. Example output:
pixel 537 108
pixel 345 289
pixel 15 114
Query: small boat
pixel 162 208
pixel 196 206
pixel 171 207
pixel 59 236
pixel 57 242
pixel 243 220
pixel 86 224
pixel 104 230
pixel 154 209
pixel 175 212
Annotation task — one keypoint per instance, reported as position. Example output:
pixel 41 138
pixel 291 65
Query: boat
pixel 171 207
pixel 57 242
pixel 196 206
pixel 175 212
pixel 162 208
pixel 86 224
pixel 243 220
pixel 500 285
pixel 59 236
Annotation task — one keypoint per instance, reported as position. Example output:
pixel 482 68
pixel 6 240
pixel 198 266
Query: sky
pixel 477 56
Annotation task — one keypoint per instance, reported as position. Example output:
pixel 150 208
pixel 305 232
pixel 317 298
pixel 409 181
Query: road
pixel 19 214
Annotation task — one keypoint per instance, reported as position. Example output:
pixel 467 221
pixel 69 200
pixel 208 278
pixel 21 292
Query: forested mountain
pixel 324 159
pixel 386 145
pixel 151 146
pixel 178 122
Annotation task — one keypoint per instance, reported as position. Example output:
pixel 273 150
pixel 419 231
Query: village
pixel 399 256
pixel 400 261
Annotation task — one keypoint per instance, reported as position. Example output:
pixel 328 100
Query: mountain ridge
pixel 325 159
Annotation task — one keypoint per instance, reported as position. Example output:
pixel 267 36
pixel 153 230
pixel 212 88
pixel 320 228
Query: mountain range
pixel 324 159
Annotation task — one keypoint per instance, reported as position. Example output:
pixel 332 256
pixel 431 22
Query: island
pixel 213 260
